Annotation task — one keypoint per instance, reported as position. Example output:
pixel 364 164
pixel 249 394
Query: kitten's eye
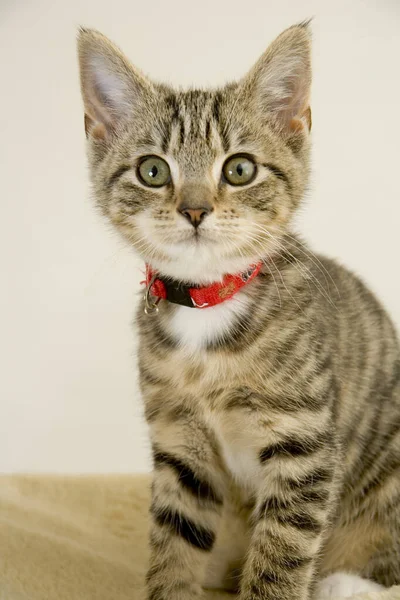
pixel 153 171
pixel 239 170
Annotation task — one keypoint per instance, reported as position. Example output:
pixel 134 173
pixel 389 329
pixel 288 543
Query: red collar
pixel 195 296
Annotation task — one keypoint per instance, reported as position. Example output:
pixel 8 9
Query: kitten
pixel 270 376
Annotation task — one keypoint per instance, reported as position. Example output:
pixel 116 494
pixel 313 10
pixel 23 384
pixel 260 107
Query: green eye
pixel 153 171
pixel 239 170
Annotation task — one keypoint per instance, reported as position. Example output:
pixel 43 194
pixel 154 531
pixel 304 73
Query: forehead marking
pixel 194 114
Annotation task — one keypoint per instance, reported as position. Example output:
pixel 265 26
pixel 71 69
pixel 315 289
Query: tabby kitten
pixel 270 376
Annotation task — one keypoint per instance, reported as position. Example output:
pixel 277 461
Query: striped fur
pixel 275 417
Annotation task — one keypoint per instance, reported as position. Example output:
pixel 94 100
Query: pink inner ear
pixel 88 122
pixel 282 78
pixel 296 125
pixel 299 123
pixel 95 130
pixel 99 131
pixel 308 117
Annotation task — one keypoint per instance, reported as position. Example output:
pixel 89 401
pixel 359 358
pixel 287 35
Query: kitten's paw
pixel 344 585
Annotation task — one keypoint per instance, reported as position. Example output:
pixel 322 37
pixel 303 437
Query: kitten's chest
pixel 196 329
pixel 207 391
pixel 192 352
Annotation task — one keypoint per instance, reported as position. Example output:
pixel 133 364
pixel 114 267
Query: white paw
pixel 344 585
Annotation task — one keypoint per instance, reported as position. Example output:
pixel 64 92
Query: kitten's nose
pixel 194 215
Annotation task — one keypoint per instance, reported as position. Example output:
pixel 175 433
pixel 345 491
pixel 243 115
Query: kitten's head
pixel 202 183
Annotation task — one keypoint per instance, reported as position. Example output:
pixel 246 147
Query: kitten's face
pixel 202 183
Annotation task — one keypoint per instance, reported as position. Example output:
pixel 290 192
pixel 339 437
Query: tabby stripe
pixel 295 562
pixel 152 411
pixel 117 174
pixel 164 131
pixel 350 437
pixel 162 338
pixel 324 363
pixel 285 403
pixel 129 187
pixel 293 447
pixel 312 495
pixel 173 105
pixel 187 478
pixel 283 547
pixel 193 534
pixel 285 348
pixel 216 116
pixel 272 505
pixel 239 334
pixel 280 511
pixel 388 465
pixel 268 577
pixel 319 475
pixel 150 378
pixel 156 593
pixel 278 173
pixel 294 403
pixel 300 520
pixel 264 579
pixel 215 107
pixel 182 133
pixel 372 454
pixel 165 141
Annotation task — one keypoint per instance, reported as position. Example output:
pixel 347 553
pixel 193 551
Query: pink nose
pixel 194 215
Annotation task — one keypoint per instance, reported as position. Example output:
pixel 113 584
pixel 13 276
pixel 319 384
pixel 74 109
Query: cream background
pixel 69 400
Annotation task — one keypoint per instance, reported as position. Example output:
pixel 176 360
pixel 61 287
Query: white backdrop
pixel 68 393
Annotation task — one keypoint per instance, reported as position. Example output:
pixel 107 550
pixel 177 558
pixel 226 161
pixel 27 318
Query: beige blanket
pixel 79 538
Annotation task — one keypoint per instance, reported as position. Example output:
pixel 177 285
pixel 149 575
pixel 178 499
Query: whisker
pixel 280 275
pixel 311 255
pixel 311 274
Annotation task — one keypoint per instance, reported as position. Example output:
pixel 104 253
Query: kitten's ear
pixel 111 87
pixel 280 80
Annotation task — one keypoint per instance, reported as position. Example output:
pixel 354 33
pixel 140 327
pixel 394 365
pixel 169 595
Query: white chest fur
pixel 194 328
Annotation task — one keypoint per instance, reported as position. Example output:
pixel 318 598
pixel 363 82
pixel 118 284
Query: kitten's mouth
pixel 196 237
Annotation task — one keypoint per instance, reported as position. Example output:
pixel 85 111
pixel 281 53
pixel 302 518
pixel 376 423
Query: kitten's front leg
pixel 293 507
pixel 186 507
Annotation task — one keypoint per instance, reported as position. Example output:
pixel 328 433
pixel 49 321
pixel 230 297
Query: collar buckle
pixel 150 302
pixel 245 276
